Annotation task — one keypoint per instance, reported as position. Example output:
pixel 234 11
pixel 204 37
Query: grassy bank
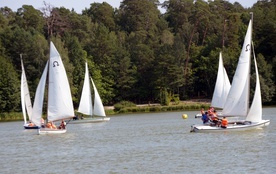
pixel 181 106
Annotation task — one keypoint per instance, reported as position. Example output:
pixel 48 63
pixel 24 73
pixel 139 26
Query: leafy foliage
pixel 135 53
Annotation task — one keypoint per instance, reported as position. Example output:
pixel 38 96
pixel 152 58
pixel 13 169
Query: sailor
pixel 42 122
pixel 31 124
pixel 224 122
pixel 202 111
pixel 49 125
pixel 205 118
pixel 53 125
pixel 215 118
pixel 62 125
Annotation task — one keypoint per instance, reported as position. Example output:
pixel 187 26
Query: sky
pixel 80 5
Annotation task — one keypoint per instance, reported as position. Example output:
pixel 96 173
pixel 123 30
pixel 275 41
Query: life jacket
pixel 224 122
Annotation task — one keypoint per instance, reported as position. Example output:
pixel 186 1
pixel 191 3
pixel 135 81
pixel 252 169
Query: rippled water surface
pixel 139 143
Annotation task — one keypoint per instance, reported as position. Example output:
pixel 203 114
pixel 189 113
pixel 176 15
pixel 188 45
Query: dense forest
pixel 136 53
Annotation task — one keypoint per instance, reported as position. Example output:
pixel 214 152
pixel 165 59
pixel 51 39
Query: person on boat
pixel 49 125
pixel 214 118
pixel 205 118
pixel 42 122
pixel 211 109
pixel 224 122
pixel 202 111
pixel 31 124
pixel 53 125
pixel 62 125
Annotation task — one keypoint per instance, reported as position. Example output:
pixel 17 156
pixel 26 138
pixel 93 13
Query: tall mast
pixel 250 42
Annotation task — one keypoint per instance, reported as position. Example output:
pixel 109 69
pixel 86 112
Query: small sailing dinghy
pixel 60 104
pixel 222 87
pixel 26 103
pixel 96 113
pixel 237 102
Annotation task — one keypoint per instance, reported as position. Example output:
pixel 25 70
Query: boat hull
pixel 51 131
pixel 31 127
pixel 26 126
pixel 89 120
pixel 231 127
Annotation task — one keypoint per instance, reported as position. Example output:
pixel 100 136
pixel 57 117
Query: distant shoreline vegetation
pixel 126 107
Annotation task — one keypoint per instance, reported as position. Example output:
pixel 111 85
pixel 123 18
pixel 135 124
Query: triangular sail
pixel 222 86
pixel 60 104
pixel 85 105
pixel 23 99
pixel 237 100
pixel 39 97
pixel 25 96
pixel 98 105
pixel 255 112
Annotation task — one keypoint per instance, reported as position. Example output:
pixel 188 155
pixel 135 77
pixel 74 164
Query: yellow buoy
pixel 184 116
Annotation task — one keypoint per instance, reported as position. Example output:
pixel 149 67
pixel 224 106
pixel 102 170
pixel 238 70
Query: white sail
pixel 60 104
pixel 237 100
pixel 23 100
pixel 85 105
pixel 25 96
pixel 255 112
pixel 222 86
pixel 39 97
pixel 98 105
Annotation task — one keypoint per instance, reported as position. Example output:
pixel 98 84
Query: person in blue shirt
pixel 205 118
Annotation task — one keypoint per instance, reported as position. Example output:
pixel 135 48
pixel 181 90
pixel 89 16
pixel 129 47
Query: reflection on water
pixel 139 143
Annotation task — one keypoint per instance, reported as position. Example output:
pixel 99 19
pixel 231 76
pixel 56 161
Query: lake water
pixel 139 143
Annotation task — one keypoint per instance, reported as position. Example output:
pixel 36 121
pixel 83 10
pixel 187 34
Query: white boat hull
pixel 50 131
pixel 231 127
pixel 89 120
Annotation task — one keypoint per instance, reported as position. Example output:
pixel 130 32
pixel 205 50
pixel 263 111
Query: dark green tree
pixel 9 86
pixel 101 14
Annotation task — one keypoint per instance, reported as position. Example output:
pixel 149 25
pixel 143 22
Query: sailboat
pixel 237 102
pixel 222 87
pixel 86 106
pixel 26 103
pixel 59 104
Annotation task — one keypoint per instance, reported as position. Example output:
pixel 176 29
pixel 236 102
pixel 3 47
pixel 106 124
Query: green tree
pixel 29 18
pixel 126 72
pixel 9 86
pixel 77 57
pixel 266 79
pixel 101 14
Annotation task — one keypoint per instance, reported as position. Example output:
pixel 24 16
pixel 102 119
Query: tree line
pixel 134 52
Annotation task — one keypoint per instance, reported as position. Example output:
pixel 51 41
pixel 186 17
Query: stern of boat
pixel 193 128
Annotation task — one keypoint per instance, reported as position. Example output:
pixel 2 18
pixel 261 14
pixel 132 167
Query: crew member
pixel 224 122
